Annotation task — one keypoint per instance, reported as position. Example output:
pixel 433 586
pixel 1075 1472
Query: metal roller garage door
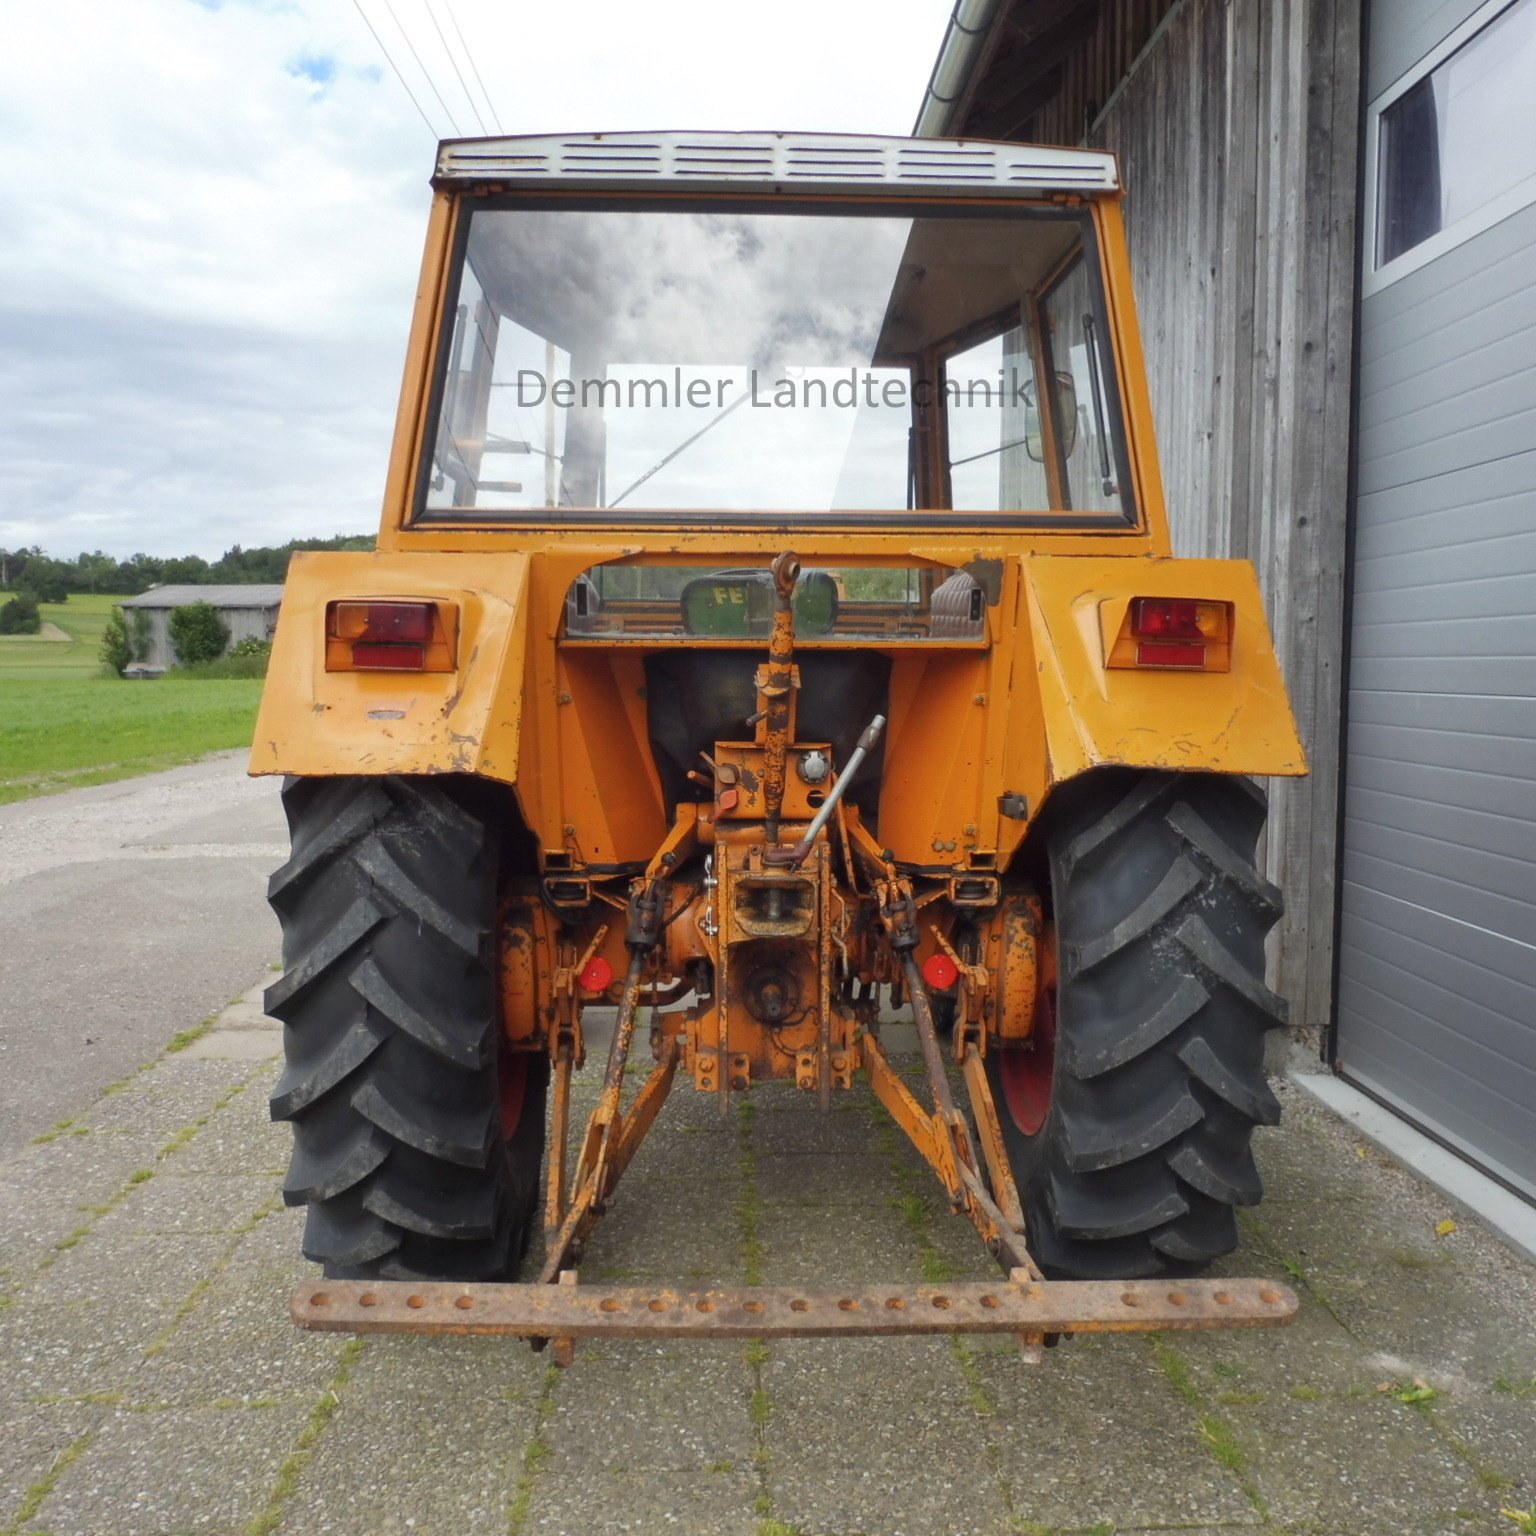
pixel 1437 959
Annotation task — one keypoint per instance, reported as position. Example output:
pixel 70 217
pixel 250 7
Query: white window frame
pixel 1374 278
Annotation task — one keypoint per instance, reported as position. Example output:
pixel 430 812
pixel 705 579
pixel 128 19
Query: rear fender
pixel 1237 721
pixel 469 720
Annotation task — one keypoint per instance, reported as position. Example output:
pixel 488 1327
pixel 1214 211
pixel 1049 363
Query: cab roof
pixel 780 162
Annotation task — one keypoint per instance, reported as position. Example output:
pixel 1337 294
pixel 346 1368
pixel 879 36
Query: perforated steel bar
pixel 577 1311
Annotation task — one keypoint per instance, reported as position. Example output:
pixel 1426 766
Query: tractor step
pixel 570 1311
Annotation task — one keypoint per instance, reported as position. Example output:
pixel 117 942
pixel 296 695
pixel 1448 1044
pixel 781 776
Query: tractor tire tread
pixel 1091 1055
pixel 1161 1011
pixel 389 1005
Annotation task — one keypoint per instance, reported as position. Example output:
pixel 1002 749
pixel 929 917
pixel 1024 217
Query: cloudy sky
pixel 211 215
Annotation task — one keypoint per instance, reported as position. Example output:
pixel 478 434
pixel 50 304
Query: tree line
pixel 50 580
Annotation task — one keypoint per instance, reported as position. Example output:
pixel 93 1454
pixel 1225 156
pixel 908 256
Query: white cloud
pixel 211 215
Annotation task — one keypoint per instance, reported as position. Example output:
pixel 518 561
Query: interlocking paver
pixel 152 1383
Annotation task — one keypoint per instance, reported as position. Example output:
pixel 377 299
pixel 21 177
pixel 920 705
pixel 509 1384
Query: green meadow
pixel 63 724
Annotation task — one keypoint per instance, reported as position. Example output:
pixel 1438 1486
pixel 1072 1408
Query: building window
pixel 1456 138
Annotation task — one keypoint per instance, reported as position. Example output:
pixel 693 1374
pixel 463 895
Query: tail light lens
pixel 596 975
pixel 1174 633
pixel 1166 618
pixel 390 636
pixel 940 972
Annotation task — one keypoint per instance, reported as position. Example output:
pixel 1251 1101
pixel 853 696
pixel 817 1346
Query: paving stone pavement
pixel 150 1384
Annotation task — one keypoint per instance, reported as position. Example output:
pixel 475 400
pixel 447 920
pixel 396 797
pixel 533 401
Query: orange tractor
pixel 773 624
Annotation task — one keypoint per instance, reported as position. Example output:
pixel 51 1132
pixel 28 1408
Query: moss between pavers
pixel 205 1284
pixel 106 1349
pixel 536 1453
pixel 876 1435
pixel 286 1483
pixel 674 1405
pixel 406 1461
pixel 33 1499
pixel 147 1468
pixel 907 1393
pixel 642 1502
pixel 663 1231
pixel 73 1350
pixel 1095 1411
pixel 99 1211
pixel 127 1271
pixel 1216 1430
pixel 1349 1464
pixel 756 1355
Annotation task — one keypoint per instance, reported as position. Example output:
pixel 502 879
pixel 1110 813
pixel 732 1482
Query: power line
pixel 432 16
pixel 490 106
pixel 458 132
pixel 398 76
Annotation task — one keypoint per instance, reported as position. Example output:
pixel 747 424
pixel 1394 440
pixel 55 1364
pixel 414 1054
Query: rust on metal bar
pixel 564 1352
pixel 776 684
pixel 1005 1239
pixel 595 1176
pixel 993 1151
pixel 634 1122
pixel 928 1041
pixel 625 1132
pixel 575 1312
pixel 598 1130
pixel 579 1220
pixel 920 1128
pixel 559 1139
pixel 1006 1212
pixel 948 1154
pixel 1032 1340
pixel 679 843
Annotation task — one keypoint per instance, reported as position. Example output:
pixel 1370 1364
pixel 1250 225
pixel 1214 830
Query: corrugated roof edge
pixel 782 162
pixel 254 595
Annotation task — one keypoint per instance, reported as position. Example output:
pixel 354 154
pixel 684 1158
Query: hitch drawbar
pixel 568 1311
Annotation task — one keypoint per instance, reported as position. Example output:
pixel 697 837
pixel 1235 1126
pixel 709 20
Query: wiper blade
pixel 682 447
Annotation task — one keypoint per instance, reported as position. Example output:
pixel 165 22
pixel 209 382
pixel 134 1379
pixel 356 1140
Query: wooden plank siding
pixel 1236 124
pixel 244 624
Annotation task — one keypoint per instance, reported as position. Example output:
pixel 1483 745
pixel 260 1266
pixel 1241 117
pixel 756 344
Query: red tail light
pixel 1166 618
pixel 387 658
pixel 1174 632
pixel 940 972
pixel 1170 653
pixel 389 636
pixel 392 623
pixel 596 975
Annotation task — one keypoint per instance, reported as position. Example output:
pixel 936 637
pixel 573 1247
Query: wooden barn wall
pixel 1237 132
pixel 244 624
pixel 1238 136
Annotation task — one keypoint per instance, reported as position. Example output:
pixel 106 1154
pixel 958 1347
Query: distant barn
pixel 249 611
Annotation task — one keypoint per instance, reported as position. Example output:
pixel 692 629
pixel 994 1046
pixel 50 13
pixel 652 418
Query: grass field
pixel 36 659
pixel 62 724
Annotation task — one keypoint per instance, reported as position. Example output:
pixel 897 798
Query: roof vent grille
pixel 756 160
pixel 834 162
pixel 942 162
pixel 786 159
pixel 612 157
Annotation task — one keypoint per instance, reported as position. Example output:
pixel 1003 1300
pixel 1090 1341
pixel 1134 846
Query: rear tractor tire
pixel 417 1137
pixel 1128 1118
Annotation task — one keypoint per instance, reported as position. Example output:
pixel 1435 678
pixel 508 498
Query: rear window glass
pixel 652 602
